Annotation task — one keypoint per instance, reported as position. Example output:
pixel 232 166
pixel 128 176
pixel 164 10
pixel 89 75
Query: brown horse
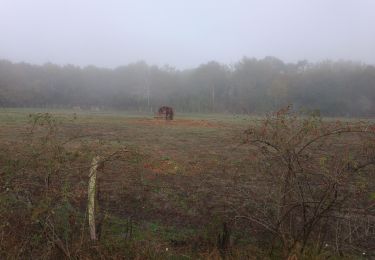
pixel 167 111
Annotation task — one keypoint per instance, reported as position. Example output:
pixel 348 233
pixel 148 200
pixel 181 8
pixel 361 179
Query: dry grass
pixel 163 185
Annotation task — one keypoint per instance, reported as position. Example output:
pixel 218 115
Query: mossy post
pixel 91 196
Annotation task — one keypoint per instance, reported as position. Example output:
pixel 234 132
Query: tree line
pixel 335 88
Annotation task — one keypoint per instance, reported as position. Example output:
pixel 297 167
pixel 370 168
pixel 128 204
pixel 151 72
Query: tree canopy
pixel 341 88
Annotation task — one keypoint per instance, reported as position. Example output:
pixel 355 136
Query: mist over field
pixel 211 129
pixel 198 56
pixel 249 86
pixel 185 34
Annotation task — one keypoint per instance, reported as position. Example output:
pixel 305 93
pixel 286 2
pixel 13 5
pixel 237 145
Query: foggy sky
pixel 185 33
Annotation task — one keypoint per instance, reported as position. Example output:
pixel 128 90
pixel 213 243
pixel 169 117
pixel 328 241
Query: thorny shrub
pixel 314 186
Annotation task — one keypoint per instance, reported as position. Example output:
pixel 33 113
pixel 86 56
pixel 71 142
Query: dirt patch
pixel 177 122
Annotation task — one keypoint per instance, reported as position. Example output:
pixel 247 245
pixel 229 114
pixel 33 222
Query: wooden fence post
pixel 91 196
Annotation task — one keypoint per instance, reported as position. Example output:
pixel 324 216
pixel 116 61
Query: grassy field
pixel 161 186
pixel 167 186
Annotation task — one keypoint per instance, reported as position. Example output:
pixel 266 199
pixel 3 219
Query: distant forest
pixel 251 85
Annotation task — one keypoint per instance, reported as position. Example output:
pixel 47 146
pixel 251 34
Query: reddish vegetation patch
pixel 177 122
pixel 162 167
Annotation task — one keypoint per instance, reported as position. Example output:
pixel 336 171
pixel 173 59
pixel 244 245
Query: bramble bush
pixel 313 188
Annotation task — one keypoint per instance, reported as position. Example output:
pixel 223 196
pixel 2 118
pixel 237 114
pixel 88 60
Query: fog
pixel 185 34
